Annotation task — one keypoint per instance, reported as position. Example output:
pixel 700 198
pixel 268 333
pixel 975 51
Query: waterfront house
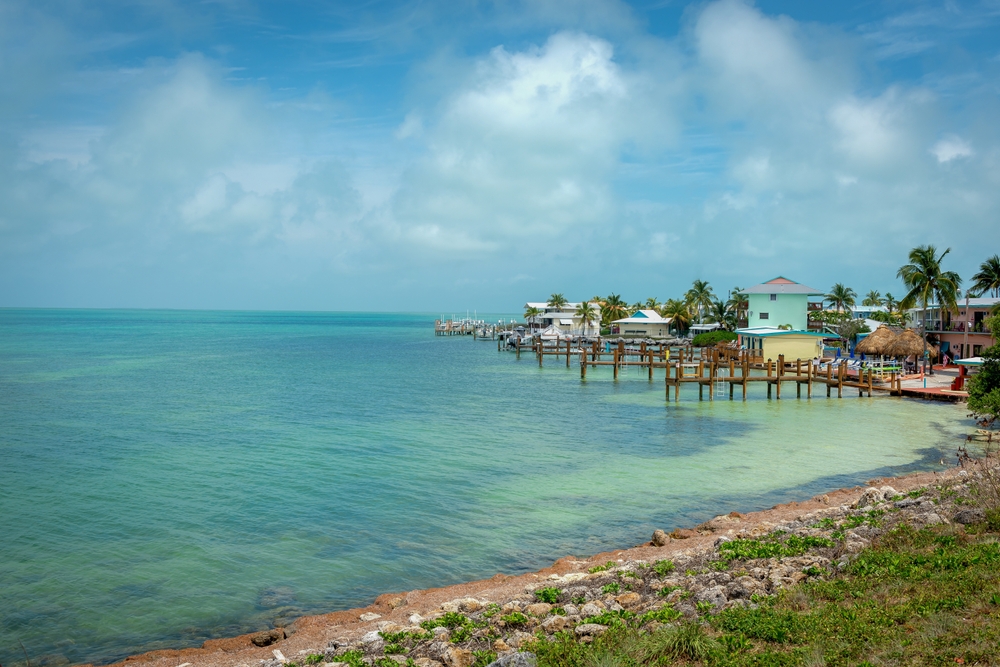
pixel 962 335
pixel 778 320
pixel 563 319
pixel 644 323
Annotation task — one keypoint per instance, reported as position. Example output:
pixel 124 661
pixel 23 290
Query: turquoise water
pixel 172 476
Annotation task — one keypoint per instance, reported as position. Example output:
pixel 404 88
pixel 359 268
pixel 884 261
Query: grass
pixel 772 546
pixel 917 597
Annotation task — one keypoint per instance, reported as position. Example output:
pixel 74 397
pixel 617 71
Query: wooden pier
pixel 715 368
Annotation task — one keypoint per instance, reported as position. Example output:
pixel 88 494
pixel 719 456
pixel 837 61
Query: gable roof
pixel 782 285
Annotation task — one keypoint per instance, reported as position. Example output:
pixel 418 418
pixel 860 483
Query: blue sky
pixel 438 156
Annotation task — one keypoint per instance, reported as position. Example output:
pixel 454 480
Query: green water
pixel 173 476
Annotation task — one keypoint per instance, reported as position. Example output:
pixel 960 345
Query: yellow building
pixel 776 342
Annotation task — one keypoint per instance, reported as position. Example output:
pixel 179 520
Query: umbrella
pixel 908 344
pixel 878 342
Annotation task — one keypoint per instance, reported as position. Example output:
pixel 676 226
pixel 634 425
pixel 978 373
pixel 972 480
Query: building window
pixel 977 350
pixel 774 297
pixel 763 316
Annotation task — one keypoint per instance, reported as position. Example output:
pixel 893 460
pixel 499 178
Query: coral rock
pixel 660 538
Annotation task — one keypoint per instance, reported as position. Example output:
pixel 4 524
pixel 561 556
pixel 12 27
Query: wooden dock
pixel 720 370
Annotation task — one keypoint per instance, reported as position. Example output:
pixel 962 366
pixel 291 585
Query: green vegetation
pixel 514 619
pixel 314 658
pixel 771 546
pixel 613 587
pixel 712 337
pixel 663 567
pixel 353 658
pixel 549 595
pixel 919 597
pixel 984 386
pixel 483 658
pixel 602 568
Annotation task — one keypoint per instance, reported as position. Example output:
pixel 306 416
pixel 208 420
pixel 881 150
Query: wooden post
pixel 842 371
pixel 769 384
pixel 650 358
pixel 869 383
pixel 615 357
pixel 517 347
pixel 583 363
pixel 769 375
pixel 569 346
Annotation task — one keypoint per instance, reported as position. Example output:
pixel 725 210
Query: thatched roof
pixel 909 343
pixel 879 341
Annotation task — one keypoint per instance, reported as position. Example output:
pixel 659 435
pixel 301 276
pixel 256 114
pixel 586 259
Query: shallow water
pixel 172 476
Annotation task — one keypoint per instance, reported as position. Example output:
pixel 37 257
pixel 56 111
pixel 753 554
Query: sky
pixel 443 156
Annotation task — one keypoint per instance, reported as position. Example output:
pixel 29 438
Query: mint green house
pixel 780 303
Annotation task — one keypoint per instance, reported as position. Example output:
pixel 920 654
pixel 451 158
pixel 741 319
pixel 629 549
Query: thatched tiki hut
pixel 910 344
pixel 878 342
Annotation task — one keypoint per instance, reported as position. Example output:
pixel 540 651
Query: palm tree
pixel 873 298
pixel 587 312
pixel 927 282
pixel 841 297
pixel 556 301
pixel 614 308
pixel 531 315
pixel 890 303
pixel 652 303
pixel 988 278
pixel 678 311
pixel 722 314
pixel 700 296
pixel 738 304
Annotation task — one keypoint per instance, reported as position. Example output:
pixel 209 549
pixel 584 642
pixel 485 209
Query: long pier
pixel 715 368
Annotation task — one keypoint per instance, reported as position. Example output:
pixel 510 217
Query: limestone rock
pixel 554 624
pixel 454 656
pixel 396 603
pixel 267 637
pixel 589 630
pixel 969 515
pixel 426 662
pixel 715 595
pixel 888 492
pixel 519 638
pixel 538 609
pixel 500 646
pixel 519 659
pixel 441 634
pixel 628 599
pixel 416 619
pixel 590 609
pixel 571 609
pixel 369 616
pixel 683 534
pixel 469 605
pixel 452 607
pixel 660 538
pixel 870 497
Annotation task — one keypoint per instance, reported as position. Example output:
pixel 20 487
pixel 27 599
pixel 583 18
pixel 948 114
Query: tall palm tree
pixel 556 301
pixel 738 304
pixel 722 314
pixel 873 298
pixel 531 315
pixel 841 297
pixel 614 309
pixel 988 278
pixel 928 282
pixel 700 296
pixel 652 303
pixel 678 311
pixel 587 312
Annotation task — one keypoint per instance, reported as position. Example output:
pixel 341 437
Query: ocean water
pixel 170 476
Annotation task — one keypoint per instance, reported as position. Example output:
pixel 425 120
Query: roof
pixel 763 332
pixel 644 317
pixel 782 285
pixel 978 302
pixel 971 361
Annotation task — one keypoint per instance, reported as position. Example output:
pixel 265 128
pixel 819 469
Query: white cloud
pixel 951 148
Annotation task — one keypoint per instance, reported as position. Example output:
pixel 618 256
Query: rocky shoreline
pixel 730 560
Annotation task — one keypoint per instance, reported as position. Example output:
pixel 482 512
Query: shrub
pixel 712 337
pixel 549 595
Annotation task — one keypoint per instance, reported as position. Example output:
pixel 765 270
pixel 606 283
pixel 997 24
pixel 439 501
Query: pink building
pixel 963 335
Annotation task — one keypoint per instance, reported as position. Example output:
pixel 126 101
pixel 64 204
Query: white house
pixel 647 323
pixel 564 320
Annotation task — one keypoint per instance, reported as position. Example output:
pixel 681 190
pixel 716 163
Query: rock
pixel 500 646
pixel 660 538
pixel 426 662
pixel 628 599
pixel 519 659
pixel 520 638
pixel 888 492
pixel 369 616
pixel 511 607
pixel 538 609
pixel 388 627
pixel 469 605
pixel 452 607
pixel 454 656
pixel 907 502
pixel 571 609
pixel 715 595
pixel 554 624
pixel 683 534
pixel 968 515
pixel 590 609
pixel 933 519
pixel 675 595
pixel 871 496
pixel 441 634
pixel 589 630
pixel 722 539
pixel 437 648
pixel 267 637
pixel 415 619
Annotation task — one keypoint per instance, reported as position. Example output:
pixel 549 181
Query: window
pixel 977 350
pixel 774 297
pixel 763 316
